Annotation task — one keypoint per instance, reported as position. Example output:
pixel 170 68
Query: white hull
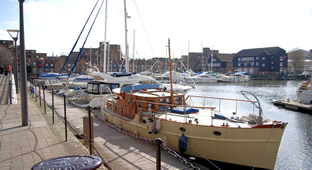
pixel 304 96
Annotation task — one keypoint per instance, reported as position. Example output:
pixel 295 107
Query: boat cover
pixel 184 110
pixel 139 87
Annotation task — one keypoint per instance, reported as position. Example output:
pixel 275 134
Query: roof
pixel 258 51
pixel 226 57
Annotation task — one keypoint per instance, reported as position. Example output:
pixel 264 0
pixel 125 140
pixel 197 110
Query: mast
pixel 133 50
pixel 188 56
pixel 170 67
pixel 211 58
pixel 104 60
pixel 126 41
pixel 202 61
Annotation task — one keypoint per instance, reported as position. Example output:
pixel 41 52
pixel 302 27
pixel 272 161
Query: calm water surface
pixel 295 151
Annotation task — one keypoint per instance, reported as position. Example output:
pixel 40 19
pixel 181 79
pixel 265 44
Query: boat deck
pixel 204 118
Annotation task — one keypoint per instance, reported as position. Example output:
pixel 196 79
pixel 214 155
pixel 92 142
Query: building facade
pixel 271 60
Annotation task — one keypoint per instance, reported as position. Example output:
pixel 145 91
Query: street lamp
pixel 14 36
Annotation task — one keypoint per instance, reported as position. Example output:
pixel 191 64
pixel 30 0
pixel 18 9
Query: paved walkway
pixel 23 146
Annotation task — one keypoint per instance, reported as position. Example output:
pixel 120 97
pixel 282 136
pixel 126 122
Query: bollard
pixel 39 96
pixel 90 132
pixel 158 153
pixel 44 102
pixel 52 106
pixel 65 119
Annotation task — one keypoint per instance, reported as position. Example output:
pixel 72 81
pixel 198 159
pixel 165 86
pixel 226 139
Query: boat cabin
pixel 144 100
pixel 100 87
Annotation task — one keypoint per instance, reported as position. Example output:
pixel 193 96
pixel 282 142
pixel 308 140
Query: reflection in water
pixel 296 147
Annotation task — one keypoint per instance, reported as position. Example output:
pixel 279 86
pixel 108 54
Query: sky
pixel 52 26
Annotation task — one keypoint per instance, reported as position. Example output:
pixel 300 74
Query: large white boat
pixel 235 77
pixel 207 132
pixel 165 78
pixel 304 93
pixel 106 84
pixel 205 77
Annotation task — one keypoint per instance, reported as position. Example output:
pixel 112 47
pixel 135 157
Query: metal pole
pixel 53 106
pixel 36 93
pixel 39 96
pixel 16 67
pixel 65 119
pixel 158 153
pixel 24 101
pixel 44 102
pixel 90 130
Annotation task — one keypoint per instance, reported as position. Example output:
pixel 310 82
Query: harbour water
pixel 295 151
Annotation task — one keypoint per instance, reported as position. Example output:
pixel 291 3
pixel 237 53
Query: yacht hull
pixel 254 147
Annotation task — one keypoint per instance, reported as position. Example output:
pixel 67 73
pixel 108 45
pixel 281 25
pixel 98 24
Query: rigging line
pixel 78 39
pixel 149 42
pixel 78 58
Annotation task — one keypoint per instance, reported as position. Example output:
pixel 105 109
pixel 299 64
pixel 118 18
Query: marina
pixel 294 151
pixel 236 101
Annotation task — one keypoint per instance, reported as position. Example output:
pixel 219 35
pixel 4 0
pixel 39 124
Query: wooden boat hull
pixel 254 147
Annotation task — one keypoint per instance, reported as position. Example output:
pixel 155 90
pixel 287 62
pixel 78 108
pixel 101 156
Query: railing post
pixel 39 96
pixel 65 118
pixel 44 102
pixel 36 92
pixel 53 106
pixel 158 153
pixel 90 130
pixel 10 89
pixel 236 107
pixel 219 105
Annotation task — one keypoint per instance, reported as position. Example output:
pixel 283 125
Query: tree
pixel 6 56
pixel 297 58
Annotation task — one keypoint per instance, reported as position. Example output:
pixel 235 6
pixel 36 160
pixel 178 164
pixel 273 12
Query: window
pixel 257 58
pixel 239 64
pixel 257 64
pixel 263 58
pixel 52 65
pixel 281 64
pixel 245 64
pixel 263 65
pixel 34 63
pixel 239 59
pixel 251 64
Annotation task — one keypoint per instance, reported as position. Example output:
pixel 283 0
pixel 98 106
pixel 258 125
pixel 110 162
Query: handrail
pixel 240 100
pixel 173 105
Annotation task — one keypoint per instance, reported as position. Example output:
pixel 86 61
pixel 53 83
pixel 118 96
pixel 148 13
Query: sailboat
pixel 147 111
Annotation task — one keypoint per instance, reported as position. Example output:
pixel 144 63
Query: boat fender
pixel 155 129
pixel 150 126
pixel 158 125
pixel 182 143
